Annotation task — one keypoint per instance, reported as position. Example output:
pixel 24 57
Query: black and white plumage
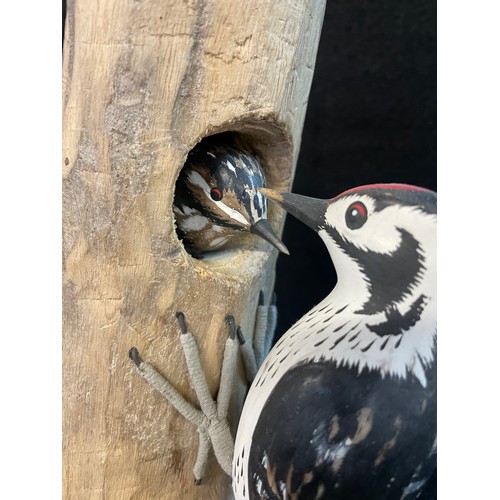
pixel 344 405
pixel 217 197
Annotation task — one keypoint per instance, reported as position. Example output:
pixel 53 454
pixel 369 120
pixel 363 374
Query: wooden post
pixel 143 83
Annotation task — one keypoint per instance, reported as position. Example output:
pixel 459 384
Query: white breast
pixel 331 331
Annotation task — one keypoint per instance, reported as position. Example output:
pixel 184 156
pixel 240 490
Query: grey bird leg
pixel 214 413
pixel 248 356
pixel 265 325
pixel 211 420
pixel 204 447
pixel 158 381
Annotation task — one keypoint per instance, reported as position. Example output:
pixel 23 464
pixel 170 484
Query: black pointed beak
pixel 263 229
pixel 310 211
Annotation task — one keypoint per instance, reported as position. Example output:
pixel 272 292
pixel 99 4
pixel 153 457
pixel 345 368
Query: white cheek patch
pixel 197 180
pixel 234 214
pixel 379 233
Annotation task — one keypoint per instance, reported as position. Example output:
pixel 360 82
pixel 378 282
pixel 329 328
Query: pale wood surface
pixel 143 82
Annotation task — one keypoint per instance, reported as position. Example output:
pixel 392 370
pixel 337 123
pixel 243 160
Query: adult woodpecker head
pixel 217 196
pixel 381 237
pixel 382 241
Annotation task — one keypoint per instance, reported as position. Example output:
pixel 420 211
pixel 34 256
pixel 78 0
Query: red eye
pixel 216 194
pixel 356 215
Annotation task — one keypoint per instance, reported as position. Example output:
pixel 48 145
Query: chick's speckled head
pixel 217 196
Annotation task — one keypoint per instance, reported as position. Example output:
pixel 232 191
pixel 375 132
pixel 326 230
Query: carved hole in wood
pixel 211 212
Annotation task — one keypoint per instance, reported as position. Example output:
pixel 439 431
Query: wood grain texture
pixel 143 82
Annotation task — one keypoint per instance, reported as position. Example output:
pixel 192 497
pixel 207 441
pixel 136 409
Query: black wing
pixel 327 432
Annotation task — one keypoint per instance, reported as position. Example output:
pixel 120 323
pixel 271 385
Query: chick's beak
pixel 263 229
pixel 310 211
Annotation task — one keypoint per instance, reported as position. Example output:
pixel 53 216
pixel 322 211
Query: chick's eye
pixel 216 194
pixel 356 215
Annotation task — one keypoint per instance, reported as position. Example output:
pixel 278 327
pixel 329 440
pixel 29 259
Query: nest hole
pixel 215 202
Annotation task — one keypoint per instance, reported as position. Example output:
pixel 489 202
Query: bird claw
pixel 133 354
pixel 241 337
pixel 211 418
pixel 232 326
pixel 182 322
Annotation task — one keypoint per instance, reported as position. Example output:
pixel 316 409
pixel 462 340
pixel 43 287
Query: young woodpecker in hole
pixel 217 197
pixel 344 405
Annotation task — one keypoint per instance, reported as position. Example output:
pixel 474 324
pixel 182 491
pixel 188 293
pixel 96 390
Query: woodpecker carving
pixel 217 198
pixel 344 405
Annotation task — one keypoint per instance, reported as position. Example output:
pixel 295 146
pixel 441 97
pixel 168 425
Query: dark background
pixel 371 118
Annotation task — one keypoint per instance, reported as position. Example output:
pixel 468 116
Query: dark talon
pixel 197 482
pixel 261 298
pixel 241 338
pixel 182 322
pixel 273 299
pixel 133 354
pixel 232 326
